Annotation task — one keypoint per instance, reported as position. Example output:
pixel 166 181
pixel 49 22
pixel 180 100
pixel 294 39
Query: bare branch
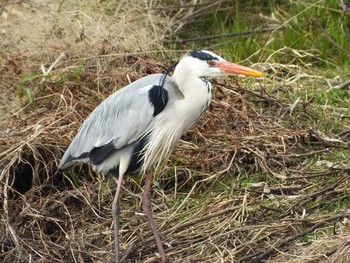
pixel 345 7
pixel 258 256
pixel 233 34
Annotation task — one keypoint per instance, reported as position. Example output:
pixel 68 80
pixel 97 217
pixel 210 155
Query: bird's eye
pixel 210 62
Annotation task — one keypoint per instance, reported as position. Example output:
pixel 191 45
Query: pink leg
pixel 116 209
pixel 146 205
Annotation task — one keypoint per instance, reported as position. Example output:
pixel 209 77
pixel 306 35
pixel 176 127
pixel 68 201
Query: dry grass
pixel 243 182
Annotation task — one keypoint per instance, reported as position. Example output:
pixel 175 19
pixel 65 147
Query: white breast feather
pixel 164 134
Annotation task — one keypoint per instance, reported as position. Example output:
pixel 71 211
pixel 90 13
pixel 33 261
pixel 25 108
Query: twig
pixel 286 188
pixel 197 13
pixel 346 8
pixel 341 115
pixel 193 222
pixel 201 219
pixel 48 71
pixel 233 34
pixel 271 208
pixel 335 171
pixel 292 107
pixel 330 188
pixel 258 256
pixel 182 6
pixel 281 156
pixel 335 109
pixel 128 252
pixel 268 99
pixel 344 133
pixel 329 145
pixel 313 196
pixel 329 38
pixel 344 85
pixel 325 140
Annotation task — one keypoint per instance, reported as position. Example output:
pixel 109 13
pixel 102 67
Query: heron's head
pixel 202 63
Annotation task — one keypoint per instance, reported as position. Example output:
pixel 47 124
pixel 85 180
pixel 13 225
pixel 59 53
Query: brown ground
pixel 243 181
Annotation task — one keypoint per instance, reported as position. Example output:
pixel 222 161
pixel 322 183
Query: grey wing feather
pixel 121 119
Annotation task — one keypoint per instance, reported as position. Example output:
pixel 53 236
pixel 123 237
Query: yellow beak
pixel 235 69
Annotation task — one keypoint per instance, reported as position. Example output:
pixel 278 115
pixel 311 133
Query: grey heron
pixel 136 127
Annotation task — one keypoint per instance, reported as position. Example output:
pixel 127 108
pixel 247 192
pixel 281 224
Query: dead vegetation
pixel 242 186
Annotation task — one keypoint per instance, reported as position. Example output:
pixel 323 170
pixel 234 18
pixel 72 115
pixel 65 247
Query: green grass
pixel 322 232
pixel 34 79
pixel 298 25
pixel 24 90
pixel 309 38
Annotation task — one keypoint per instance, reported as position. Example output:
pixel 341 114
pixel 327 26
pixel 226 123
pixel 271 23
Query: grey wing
pixel 118 121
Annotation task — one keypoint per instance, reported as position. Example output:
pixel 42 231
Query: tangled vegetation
pixel 263 176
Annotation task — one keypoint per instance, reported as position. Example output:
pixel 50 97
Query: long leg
pixel 146 205
pixel 116 209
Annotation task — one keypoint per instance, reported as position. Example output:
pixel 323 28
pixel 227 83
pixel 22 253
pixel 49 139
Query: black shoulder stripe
pixel 202 55
pixel 159 97
pixel 99 154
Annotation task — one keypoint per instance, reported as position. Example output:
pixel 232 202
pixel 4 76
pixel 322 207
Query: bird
pixel 136 128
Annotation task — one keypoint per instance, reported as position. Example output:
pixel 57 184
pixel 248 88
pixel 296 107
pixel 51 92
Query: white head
pixel 202 63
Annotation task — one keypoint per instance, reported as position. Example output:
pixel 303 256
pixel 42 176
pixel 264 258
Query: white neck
pixel 184 74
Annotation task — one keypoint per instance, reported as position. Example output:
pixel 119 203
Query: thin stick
pixel 258 256
pixel 281 156
pixel 233 34
pixel 47 72
pixel 329 38
pixel 346 7
pixel 344 85
pixel 177 228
